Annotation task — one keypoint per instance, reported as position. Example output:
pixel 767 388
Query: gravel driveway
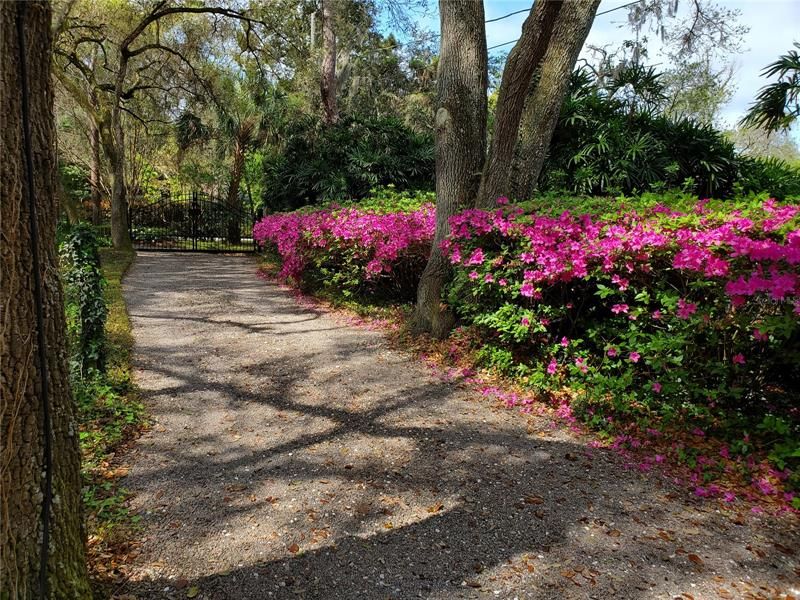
pixel 295 456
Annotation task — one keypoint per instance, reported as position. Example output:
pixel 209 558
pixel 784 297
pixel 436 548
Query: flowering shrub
pixel 354 250
pixel 653 312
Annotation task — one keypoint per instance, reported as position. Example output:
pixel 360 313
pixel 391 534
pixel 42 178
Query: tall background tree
pixel 546 97
pixel 460 129
pixel 328 75
pixel 552 37
pixel 146 51
pixel 39 442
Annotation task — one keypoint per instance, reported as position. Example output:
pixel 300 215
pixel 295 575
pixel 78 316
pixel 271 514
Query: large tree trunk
pixel 522 62
pixel 22 412
pixel 544 102
pixel 94 173
pixel 235 206
pixel 120 235
pixel 460 144
pixel 72 207
pixel 115 150
pixel 328 78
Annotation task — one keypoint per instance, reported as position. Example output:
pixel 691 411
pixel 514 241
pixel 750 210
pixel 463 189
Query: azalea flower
pixel 552 367
pixel 738 359
pixel 685 309
pixel 476 258
pixel 612 352
pixel 634 357
pixel 656 387
pixel 764 486
pixel 619 308
pixel 621 282
pixel 565 341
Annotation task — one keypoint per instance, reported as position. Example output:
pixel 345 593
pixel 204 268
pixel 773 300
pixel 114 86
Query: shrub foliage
pixel 322 163
pixel 85 305
pixel 616 139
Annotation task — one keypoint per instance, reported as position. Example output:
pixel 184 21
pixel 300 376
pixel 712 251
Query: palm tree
pixel 777 105
pixel 241 132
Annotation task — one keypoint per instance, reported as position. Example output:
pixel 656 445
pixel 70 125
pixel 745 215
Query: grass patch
pixel 110 415
pixel 115 264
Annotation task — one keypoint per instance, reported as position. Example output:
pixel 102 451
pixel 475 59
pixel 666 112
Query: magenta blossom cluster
pixel 736 251
pixel 374 240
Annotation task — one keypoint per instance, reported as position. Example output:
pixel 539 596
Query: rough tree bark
pixel 328 75
pixel 520 66
pixel 21 412
pixel 460 123
pixel 543 104
pixel 120 234
pixel 94 172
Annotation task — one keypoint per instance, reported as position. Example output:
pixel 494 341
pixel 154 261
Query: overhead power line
pixel 605 12
pixel 511 14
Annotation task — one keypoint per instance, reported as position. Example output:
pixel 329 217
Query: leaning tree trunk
pixel 94 173
pixel 460 124
pixel 522 62
pixel 233 203
pixel 543 105
pixel 22 411
pixel 328 76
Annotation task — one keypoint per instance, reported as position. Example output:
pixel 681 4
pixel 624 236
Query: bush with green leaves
pixel 323 163
pixel 758 174
pixel 610 142
pixel 86 309
pixel 614 138
pixel 676 314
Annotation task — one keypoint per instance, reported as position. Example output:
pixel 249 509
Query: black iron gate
pixel 195 222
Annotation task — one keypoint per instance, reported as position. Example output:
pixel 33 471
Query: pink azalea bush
pixel 352 249
pixel 661 307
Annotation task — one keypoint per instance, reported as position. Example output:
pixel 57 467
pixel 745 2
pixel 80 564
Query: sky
pixel 774 26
